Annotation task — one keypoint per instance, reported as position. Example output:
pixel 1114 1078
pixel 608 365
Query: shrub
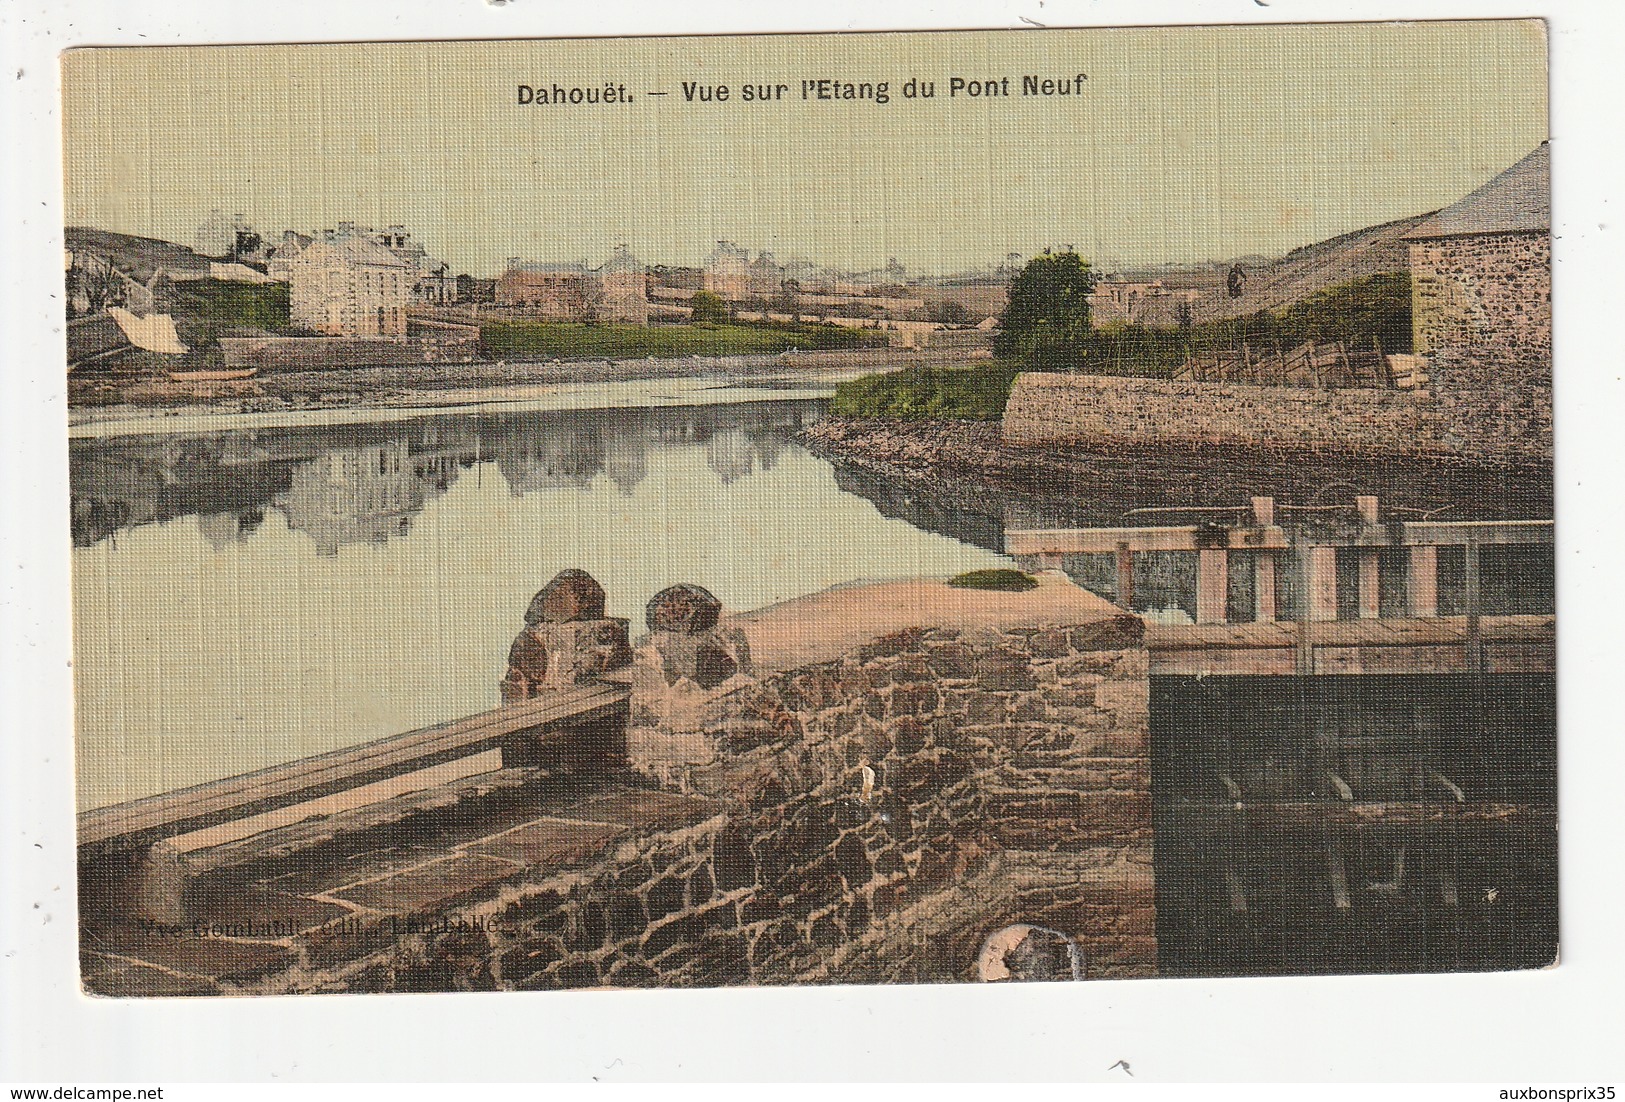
pixel 1002 579
pixel 922 393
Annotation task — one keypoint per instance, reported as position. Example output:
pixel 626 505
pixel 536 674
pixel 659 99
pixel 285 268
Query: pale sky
pixel 1185 144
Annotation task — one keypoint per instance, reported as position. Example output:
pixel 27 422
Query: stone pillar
pixel 567 639
pixel 676 670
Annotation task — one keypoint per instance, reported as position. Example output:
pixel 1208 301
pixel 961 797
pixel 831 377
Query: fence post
pixel 1475 641
pixel 1423 582
pixel 1370 602
pixel 1125 577
pixel 1320 582
pixel 1212 588
pixel 1264 564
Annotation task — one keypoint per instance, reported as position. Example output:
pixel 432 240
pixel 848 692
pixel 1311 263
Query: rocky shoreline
pixel 970 462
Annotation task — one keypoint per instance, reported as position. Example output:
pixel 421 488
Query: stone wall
pixel 873 818
pixel 924 804
pixel 1484 406
pixel 1046 408
pixel 900 803
pixel 1489 293
pixel 271 353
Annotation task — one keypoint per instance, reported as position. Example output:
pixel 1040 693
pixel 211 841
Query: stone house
pixel 731 273
pixel 350 287
pixel 1481 269
pixel 1151 303
pixel 219 236
pixel 571 291
pixel 282 257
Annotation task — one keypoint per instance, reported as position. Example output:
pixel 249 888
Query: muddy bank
pixel 966 465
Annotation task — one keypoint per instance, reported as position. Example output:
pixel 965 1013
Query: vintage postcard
pixel 855 508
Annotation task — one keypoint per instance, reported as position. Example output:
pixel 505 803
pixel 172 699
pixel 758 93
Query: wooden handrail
pixel 278 786
pixel 1189 537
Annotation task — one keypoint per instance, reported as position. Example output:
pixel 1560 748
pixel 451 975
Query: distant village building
pixel 572 291
pixel 282 257
pixel 560 291
pixel 349 287
pixel 432 280
pixel 731 273
pixel 625 287
pixel 233 237
pixel 1151 303
pixel 1481 276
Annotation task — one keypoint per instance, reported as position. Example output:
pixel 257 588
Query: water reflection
pixel 365 483
pixel 250 597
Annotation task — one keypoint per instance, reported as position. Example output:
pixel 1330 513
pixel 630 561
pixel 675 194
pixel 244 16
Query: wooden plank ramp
pixel 277 786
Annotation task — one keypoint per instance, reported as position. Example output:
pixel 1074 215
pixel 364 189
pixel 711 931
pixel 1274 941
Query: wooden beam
pixel 1423 582
pixel 1099 541
pixel 1483 532
pixel 1320 582
pixel 214 802
pixel 1125 577
pixel 1266 537
pixel 1212 587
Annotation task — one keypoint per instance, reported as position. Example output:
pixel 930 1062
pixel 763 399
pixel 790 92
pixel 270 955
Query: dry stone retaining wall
pixel 1484 406
pixel 1047 408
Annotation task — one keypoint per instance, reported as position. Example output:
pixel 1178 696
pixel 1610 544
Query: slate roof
pixel 1519 200
pixel 370 253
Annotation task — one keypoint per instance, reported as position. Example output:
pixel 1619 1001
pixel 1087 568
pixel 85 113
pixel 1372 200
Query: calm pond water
pixel 248 597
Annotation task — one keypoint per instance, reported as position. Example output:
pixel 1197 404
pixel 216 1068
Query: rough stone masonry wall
pixel 1010 783
pixel 985 750
pixel 271 353
pixel 1483 311
pixel 1485 405
pixel 1047 408
pixel 1490 293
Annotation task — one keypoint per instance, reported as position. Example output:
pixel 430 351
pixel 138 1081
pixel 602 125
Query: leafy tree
pixel 1046 323
pixel 709 308
pixel 947 312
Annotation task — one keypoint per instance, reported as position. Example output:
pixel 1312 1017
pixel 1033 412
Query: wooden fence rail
pixel 1265 542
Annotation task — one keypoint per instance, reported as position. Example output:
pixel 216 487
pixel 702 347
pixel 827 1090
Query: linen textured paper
pixel 982 506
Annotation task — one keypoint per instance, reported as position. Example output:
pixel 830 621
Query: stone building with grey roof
pixel 1481 311
pixel 1481 267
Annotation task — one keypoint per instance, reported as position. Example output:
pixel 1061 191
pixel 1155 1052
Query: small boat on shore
pixel 219 375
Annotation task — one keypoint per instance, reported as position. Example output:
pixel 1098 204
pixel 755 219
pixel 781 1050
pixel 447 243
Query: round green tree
pixel 709 308
pixel 1046 322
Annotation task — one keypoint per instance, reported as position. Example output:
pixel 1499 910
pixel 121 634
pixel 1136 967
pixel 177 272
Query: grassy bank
pixel 1375 309
pixel 574 341
pixel 922 393
pixel 206 308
